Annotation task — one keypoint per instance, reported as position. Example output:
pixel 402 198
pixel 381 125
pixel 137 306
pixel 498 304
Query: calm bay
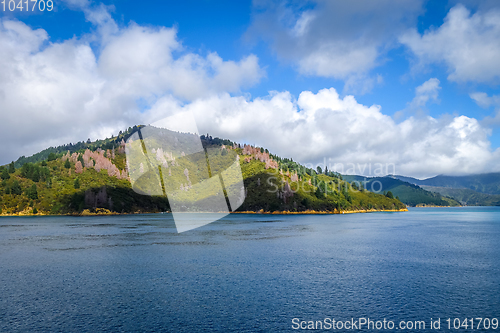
pixel 247 273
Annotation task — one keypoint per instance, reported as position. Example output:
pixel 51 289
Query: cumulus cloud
pixel 322 127
pixel 469 45
pixel 427 91
pixel 483 100
pixel 337 39
pixel 55 93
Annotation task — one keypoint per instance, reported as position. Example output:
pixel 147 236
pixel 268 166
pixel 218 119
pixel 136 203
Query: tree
pixel 319 194
pixel 76 183
pixel 35 176
pixel 78 167
pixel 12 168
pixel 44 174
pixel 5 174
pixel 16 188
pixel 320 171
pixel 390 195
pixel 326 170
pixel 32 192
pixel 35 211
pixel 67 164
pixel 52 157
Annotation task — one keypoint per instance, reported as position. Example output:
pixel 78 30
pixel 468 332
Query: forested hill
pixel 92 177
pixel 488 183
pixel 104 144
pixel 410 194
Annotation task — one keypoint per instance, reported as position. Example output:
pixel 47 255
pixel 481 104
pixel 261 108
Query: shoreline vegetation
pixel 104 212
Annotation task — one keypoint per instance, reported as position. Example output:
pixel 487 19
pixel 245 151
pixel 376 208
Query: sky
pixel 409 87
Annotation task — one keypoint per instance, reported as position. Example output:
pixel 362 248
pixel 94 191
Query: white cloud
pixel 322 126
pixel 339 59
pixel 427 91
pixel 483 100
pixel 55 93
pixel 469 45
pixel 337 39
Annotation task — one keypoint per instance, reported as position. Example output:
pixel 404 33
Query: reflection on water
pixel 246 272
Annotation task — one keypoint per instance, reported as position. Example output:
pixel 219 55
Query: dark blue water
pixel 247 273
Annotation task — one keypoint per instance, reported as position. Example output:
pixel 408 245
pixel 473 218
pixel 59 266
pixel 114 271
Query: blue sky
pixel 414 83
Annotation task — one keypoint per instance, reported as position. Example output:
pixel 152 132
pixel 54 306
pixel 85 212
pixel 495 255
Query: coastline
pixel 432 206
pixel 314 212
pixel 106 212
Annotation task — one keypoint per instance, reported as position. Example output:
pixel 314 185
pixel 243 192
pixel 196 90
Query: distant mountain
pixel 488 183
pixel 410 194
pixel 467 197
pixel 410 180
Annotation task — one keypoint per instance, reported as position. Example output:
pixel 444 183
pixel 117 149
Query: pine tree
pixel 35 176
pixel 32 192
pixel 16 188
pixel 76 183
pixel 5 174
pixel 12 168
pixel 52 157
pixel 67 164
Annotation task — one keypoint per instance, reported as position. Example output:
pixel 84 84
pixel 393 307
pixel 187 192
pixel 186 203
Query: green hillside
pixel 488 183
pixel 92 177
pixel 467 197
pixel 410 194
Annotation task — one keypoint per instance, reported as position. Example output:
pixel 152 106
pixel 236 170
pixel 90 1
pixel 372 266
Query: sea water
pixel 249 273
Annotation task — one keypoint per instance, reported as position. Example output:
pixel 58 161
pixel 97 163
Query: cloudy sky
pixel 406 82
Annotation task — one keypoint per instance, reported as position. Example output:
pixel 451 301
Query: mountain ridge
pixel 410 194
